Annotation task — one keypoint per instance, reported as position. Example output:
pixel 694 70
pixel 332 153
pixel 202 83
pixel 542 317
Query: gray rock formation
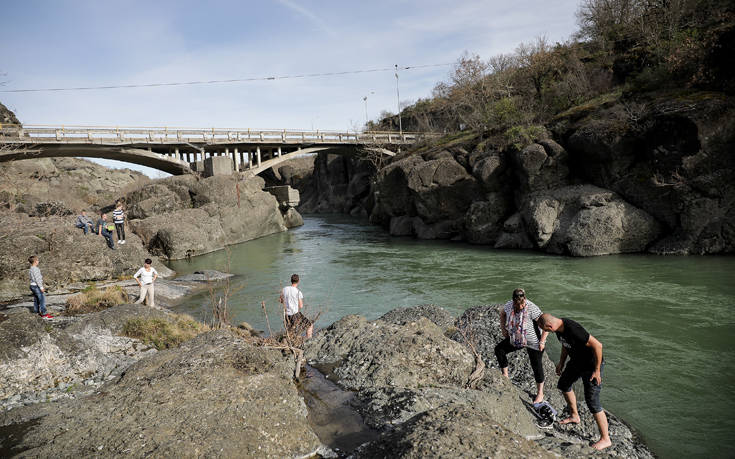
pixel 213 396
pixel 585 220
pixel 185 216
pixel 451 431
pixel 41 361
pixel 67 256
pixel 671 157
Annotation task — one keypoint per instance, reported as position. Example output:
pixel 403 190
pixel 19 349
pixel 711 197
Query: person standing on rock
pixel 84 222
pixel 104 231
pixel 293 301
pixel 518 324
pixel 146 276
pixel 586 362
pixel 118 218
pixel 39 299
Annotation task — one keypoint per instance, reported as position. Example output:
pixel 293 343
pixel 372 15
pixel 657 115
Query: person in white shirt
pixel 145 277
pixel 293 301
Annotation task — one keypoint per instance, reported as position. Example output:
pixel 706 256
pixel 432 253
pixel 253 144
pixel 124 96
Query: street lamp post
pixel 366 110
pixel 398 104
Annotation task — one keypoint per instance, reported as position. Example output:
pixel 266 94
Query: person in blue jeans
pixel 586 362
pixel 84 222
pixel 103 231
pixel 39 299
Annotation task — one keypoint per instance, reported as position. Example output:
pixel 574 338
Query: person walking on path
pixel 146 276
pixel 586 362
pixel 118 217
pixel 37 289
pixel 518 324
pixel 293 301
pixel 103 230
pixel 84 222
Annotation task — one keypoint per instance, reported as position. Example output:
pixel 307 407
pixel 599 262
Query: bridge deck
pixel 28 134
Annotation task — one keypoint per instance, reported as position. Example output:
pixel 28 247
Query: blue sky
pixel 91 43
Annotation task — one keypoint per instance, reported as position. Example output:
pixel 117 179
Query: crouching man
pixel 586 362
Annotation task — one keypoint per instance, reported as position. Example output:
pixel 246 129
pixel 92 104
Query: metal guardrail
pixel 165 135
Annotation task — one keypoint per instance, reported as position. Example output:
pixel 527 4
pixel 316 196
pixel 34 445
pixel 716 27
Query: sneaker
pixel 122 242
pixel 545 423
pixel 118 241
pixel 47 316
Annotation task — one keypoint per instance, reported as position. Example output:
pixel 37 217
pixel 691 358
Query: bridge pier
pixel 257 150
pixel 236 157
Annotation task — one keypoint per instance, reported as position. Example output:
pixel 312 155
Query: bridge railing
pixel 165 135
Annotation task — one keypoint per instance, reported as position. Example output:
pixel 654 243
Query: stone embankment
pixel 222 395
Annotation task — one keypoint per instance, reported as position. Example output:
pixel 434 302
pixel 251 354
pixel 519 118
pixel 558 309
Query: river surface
pixel 665 322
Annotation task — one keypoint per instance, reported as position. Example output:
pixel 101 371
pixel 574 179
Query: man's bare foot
pixel 538 399
pixel 571 420
pixel 602 444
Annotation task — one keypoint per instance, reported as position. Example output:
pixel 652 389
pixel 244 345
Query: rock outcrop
pixel 183 216
pixel 42 361
pixel 215 395
pixel 670 156
pixel 664 165
pixel 67 256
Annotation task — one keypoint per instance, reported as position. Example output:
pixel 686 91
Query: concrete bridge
pixel 186 150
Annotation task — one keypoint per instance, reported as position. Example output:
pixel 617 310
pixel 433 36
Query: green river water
pixel 665 322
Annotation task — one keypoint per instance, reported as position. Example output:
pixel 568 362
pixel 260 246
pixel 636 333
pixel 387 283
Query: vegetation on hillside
pixel 622 49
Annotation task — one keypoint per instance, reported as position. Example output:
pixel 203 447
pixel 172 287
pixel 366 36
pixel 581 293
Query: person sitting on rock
pixel 293 300
pixel 586 362
pixel 518 324
pixel 146 276
pixel 103 230
pixel 39 299
pixel 83 222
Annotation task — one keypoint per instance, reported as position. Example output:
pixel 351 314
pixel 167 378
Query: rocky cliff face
pixel 654 175
pixel 185 216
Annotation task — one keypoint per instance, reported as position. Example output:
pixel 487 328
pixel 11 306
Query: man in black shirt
pixel 586 362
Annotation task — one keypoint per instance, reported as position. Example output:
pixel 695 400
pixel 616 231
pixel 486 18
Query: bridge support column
pixel 257 151
pixel 178 155
pixel 236 157
pixel 279 151
pixel 250 160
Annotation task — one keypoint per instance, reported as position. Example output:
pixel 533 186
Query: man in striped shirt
pixel 39 299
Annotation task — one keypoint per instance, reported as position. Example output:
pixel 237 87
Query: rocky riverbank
pixel 223 394
pixel 611 176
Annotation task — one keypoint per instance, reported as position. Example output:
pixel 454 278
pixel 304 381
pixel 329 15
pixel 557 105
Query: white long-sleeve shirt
pixel 146 277
pixel 35 275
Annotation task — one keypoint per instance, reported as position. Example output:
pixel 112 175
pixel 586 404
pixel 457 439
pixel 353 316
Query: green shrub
pixel 520 136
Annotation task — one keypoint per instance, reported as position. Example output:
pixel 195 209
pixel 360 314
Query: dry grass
pixel 164 333
pixel 93 299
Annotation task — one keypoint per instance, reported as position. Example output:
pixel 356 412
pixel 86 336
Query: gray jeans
pixel 146 289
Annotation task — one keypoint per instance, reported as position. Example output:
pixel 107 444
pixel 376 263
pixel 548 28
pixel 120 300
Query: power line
pixel 233 80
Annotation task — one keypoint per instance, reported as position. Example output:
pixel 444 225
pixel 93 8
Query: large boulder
pixel 671 157
pixel 361 354
pixel 585 221
pixel 185 216
pixel 451 431
pixel 215 395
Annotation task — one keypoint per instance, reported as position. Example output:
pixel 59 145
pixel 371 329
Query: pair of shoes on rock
pixel 122 242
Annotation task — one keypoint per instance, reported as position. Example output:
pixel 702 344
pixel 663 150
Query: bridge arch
pixel 132 155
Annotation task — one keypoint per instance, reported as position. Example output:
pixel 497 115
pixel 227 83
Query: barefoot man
pixel 586 362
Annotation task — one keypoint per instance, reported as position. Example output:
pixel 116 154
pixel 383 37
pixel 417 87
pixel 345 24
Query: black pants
pixel 504 348
pixel 120 227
